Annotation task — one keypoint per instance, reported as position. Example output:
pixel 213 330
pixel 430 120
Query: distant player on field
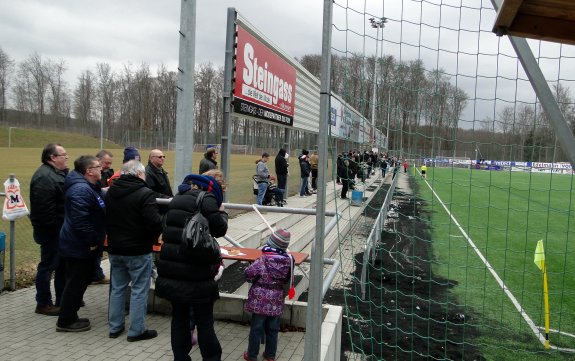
pixel 423 171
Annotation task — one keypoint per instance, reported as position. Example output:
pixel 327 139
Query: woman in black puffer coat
pixel 190 283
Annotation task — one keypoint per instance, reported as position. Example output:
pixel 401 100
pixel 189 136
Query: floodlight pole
pixel 388 116
pixel 377 24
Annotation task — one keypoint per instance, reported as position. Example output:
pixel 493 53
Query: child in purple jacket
pixel 268 274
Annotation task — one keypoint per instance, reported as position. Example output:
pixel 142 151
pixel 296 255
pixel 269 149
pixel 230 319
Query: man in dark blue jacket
pixel 81 238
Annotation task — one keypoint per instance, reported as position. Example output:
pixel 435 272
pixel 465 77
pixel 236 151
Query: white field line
pixel 534 328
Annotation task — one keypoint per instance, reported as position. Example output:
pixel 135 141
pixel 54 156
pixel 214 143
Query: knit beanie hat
pixel 279 239
pixel 130 153
pixel 205 182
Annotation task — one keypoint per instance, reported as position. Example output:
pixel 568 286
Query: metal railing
pixel 374 237
pixel 272 209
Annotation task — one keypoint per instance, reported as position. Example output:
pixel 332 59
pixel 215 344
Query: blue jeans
pixel 180 333
pixel 49 262
pixel 126 269
pixel 303 187
pixel 262 187
pixel 271 326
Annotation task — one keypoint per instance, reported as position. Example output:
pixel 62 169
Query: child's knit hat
pixel 279 239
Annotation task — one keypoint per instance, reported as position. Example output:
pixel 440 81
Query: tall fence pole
pixel 227 93
pixel 2 255
pixel 185 87
pixel 312 351
pixel 12 177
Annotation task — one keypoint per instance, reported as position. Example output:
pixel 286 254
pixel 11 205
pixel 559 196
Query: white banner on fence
pixel 14 205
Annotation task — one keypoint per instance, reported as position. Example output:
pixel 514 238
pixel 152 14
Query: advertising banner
pixel 265 83
pixel 14 206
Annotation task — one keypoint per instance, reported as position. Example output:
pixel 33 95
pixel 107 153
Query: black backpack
pixel 197 242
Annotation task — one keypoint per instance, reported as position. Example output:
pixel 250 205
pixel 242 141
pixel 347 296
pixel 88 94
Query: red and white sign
pixel 265 83
pixel 14 206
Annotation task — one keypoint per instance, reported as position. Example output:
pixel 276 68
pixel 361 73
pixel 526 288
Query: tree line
pixel 419 109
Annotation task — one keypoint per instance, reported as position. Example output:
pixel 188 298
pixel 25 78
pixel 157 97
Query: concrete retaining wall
pixel 230 307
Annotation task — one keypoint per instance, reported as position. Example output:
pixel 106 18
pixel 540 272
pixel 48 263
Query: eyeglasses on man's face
pixel 60 155
pixel 159 156
pixel 95 167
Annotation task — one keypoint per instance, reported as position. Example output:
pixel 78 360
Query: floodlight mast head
pixel 378 23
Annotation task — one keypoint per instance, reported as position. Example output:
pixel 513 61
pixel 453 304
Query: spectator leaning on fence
pixel 190 282
pixel 81 238
pixel 208 161
pixel 47 217
pixel 133 223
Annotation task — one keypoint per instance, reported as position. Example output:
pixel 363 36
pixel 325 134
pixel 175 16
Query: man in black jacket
pixel 282 165
pixel 105 158
pixel 133 223
pixel 208 162
pixel 156 176
pixel 47 217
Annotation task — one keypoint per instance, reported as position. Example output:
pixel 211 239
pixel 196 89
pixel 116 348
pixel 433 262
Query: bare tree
pixel 106 88
pixel 57 87
pixel 6 65
pixel 33 79
pixel 84 97
pixel 205 76
pixel 165 94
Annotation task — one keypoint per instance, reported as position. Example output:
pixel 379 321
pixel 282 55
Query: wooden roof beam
pixel 542 28
pixel 506 15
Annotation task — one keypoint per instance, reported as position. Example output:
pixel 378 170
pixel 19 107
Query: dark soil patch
pixel 233 277
pixel 409 312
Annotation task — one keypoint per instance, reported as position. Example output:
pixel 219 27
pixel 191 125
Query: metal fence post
pixel 2 255
pixel 12 176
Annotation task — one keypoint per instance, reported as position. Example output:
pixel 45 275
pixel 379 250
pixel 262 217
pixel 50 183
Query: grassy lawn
pixel 23 158
pixel 505 214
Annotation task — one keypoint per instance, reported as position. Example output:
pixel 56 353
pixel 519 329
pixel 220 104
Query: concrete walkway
pixel 25 335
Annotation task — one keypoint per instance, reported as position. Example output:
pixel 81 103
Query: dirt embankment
pixel 409 312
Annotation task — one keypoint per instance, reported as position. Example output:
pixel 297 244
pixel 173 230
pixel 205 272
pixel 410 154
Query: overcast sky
pixel 119 32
